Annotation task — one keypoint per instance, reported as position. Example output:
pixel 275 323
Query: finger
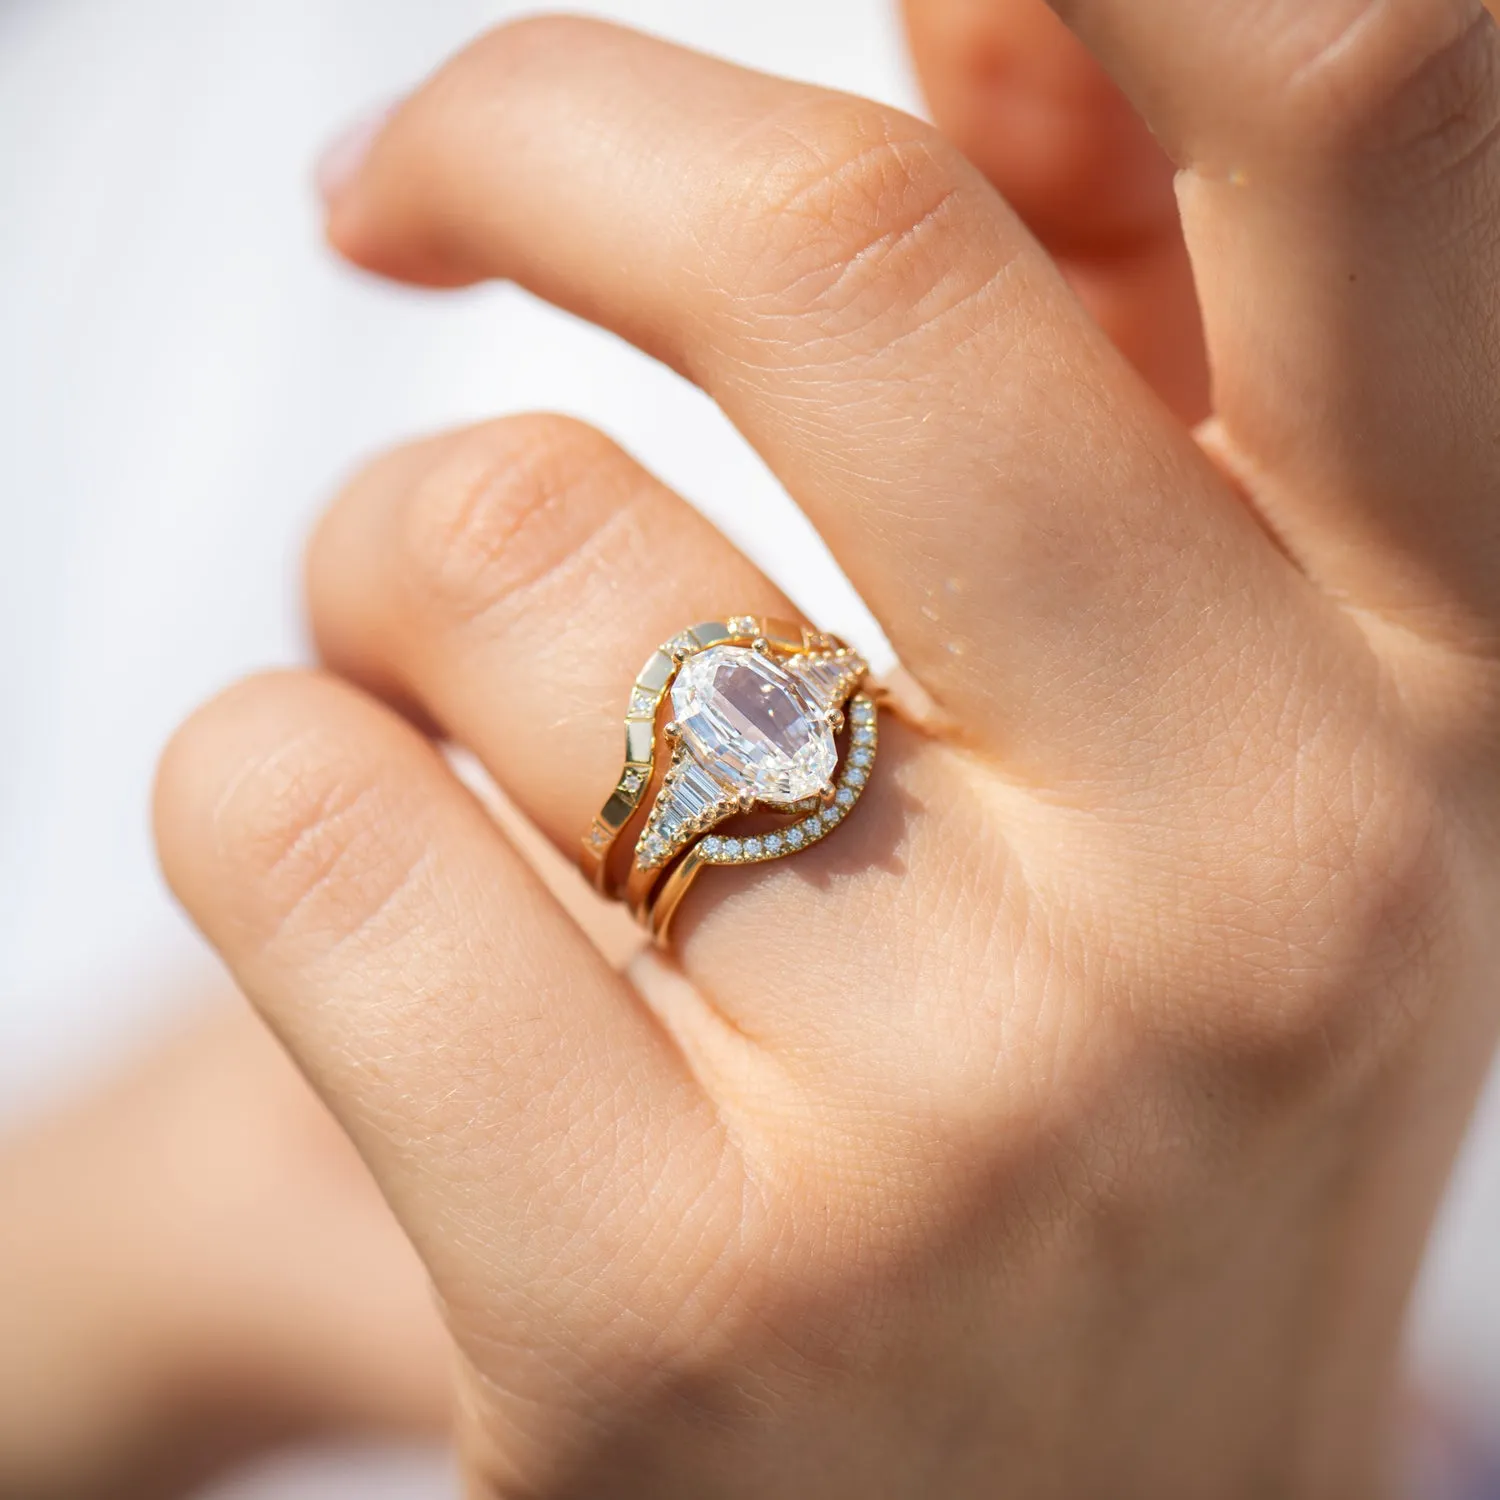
pixel 527 1120
pixel 1018 94
pixel 510 581
pixel 871 315
pixel 1343 184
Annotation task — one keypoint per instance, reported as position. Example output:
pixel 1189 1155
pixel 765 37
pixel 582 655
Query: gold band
pixel 646 695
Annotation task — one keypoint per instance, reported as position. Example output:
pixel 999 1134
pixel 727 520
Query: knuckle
pixel 291 820
pixel 1412 85
pixel 1354 935
pixel 837 206
pixel 512 506
pixel 505 59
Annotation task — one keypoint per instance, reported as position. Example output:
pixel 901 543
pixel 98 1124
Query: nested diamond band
pixel 757 707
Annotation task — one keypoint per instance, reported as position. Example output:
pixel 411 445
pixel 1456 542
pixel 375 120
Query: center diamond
pixel 754 724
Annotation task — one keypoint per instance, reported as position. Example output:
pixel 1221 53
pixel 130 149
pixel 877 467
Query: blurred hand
pixel 1070 1121
pixel 193 1265
pixel 1026 102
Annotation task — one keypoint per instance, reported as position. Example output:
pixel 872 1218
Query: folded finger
pixel 509 581
pixel 530 1123
pixel 876 320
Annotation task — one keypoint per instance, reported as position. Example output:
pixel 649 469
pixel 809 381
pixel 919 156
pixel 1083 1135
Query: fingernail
pixel 342 158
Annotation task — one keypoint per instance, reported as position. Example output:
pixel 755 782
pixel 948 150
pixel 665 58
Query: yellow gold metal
pixel 646 694
pixel 656 910
pixel 665 866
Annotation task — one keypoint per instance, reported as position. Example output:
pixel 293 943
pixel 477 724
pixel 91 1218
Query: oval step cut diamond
pixel 754 724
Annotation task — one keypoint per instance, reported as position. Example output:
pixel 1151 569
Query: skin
pixel 1070 1122
pixel 190 1271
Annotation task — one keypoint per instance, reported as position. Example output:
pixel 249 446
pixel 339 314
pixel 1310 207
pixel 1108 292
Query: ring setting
pixel 747 714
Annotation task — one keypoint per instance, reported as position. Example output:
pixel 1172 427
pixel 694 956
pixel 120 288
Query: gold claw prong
pixel 762 645
pixel 672 729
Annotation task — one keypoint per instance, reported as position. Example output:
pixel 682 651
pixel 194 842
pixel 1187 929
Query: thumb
pixel 1019 95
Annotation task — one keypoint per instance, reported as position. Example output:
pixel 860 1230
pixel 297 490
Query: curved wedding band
pixel 757 709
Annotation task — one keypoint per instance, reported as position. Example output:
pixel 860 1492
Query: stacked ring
pixel 755 710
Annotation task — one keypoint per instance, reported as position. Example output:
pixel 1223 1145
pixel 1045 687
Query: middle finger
pixel 1027 521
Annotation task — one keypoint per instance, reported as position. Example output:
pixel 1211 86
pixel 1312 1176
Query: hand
pixel 1021 96
pixel 194 1266
pixel 1071 1121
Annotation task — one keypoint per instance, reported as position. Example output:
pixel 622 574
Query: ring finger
pixel 507 582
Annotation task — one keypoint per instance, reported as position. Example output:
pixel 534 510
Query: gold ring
pixel 756 711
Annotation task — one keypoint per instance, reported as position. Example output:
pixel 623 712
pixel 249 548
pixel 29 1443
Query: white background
pixel 184 374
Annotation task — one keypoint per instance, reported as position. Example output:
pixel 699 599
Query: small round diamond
pixel 831 815
pixel 863 713
pixel 857 776
pixel 732 848
pixel 861 757
pixel 794 837
pixel 752 847
pixel 864 735
pixel 773 843
pixel 844 797
pixel 712 846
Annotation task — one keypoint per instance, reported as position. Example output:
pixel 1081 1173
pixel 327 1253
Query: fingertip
pixel 336 178
pixel 342 158
pixel 356 218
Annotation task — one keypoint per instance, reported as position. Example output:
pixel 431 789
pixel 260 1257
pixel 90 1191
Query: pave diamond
pixel 742 714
